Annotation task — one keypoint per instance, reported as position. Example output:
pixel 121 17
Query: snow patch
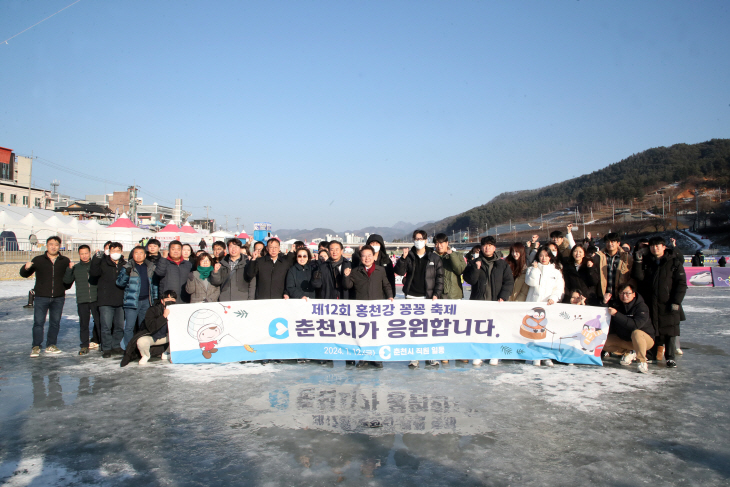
pixel 583 388
pixel 696 309
pixel 17 289
pixel 204 373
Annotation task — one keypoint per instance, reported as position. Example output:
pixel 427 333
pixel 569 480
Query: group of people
pixel 643 287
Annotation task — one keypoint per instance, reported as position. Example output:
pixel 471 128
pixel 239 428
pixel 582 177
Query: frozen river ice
pixel 69 420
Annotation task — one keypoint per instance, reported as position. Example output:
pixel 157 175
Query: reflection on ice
pixel 353 408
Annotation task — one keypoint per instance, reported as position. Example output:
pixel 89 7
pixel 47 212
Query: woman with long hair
pixel 579 272
pixel 518 263
pixel 189 254
pixel 546 283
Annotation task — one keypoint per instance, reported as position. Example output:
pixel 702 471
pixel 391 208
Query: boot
pixel 31 298
pixel 660 353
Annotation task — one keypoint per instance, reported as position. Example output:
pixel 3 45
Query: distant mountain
pixel 305 235
pixel 621 182
pixel 388 233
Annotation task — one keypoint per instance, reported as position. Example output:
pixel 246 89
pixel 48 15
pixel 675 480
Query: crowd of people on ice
pixel 643 287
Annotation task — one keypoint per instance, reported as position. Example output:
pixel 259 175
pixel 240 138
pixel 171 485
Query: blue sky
pixel 349 114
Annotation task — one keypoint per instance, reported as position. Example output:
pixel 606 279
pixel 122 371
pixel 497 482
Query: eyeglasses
pixel 626 294
pixel 302 256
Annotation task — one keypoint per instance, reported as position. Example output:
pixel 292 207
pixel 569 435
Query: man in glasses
pixel 631 332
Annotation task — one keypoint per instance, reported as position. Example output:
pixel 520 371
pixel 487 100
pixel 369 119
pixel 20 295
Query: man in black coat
pixel 422 269
pixel 269 271
pixel 631 332
pixel 423 272
pixel 153 333
pixel 110 298
pixel 662 284
pixel 370 283
pixel 489 275
pixel 329 282
pixel 173 272
pixel 50 294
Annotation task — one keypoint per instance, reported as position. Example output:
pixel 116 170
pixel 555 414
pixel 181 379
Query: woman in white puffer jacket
pixel 545 279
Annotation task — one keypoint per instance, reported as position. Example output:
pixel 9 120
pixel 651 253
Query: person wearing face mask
pixel 490 278
pixel 110 299
pixel 137 278
pixel 614 267
pixel 472 254
pixel 173 272
pixel 152 337
pixel 423 272
pixel 546 283
pixel 381 258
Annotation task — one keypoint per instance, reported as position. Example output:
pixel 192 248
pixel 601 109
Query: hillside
pixel 388 233
pixel 620 184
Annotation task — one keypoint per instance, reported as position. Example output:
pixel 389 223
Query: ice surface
pixel 70 420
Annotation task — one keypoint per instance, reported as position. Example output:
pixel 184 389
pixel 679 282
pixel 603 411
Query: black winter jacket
pixel 630 317
pixel 368 288
pixel 329 281
pixel 661 285
pixel 270 276
pixel 106 272
pixel 174 277
pixel 434 272
pixel 299 280
pixel 49 278
pixel 585 278
pixel 501 281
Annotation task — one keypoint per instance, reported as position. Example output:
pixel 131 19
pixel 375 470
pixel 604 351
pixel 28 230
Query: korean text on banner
pixel 385 331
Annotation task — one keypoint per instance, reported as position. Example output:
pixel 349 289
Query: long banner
pixel 385 331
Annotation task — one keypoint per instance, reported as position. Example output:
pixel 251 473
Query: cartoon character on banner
pixel 206 326
pixel 534 326
pixel 591 337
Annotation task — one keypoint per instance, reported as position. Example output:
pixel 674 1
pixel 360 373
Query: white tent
pixel 59 225
pixel 220 234
pixel 7 222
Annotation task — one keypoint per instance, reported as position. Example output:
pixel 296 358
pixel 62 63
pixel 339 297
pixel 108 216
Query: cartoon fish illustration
pixel 249 348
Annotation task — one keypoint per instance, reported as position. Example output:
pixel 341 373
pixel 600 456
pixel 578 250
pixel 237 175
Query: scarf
pixel 205 272
pixel 177 262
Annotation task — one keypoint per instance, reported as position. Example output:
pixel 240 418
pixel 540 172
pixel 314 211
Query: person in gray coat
pixel 230 276
pixel 173 272
pixel 199 284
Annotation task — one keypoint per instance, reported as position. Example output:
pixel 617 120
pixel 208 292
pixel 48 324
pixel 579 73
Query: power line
pixel 64 8
pixel 80 174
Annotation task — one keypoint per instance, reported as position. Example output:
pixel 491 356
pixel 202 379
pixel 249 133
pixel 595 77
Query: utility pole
pixel 133 203
pixel 30 176
pixel 237 218
pixel 207 218
pixel 226 222
pixel 697 210
pixel 613 211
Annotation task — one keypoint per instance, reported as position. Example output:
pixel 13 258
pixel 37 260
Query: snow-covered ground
pixel 705 242
pixel 70 420
pixel 20 287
